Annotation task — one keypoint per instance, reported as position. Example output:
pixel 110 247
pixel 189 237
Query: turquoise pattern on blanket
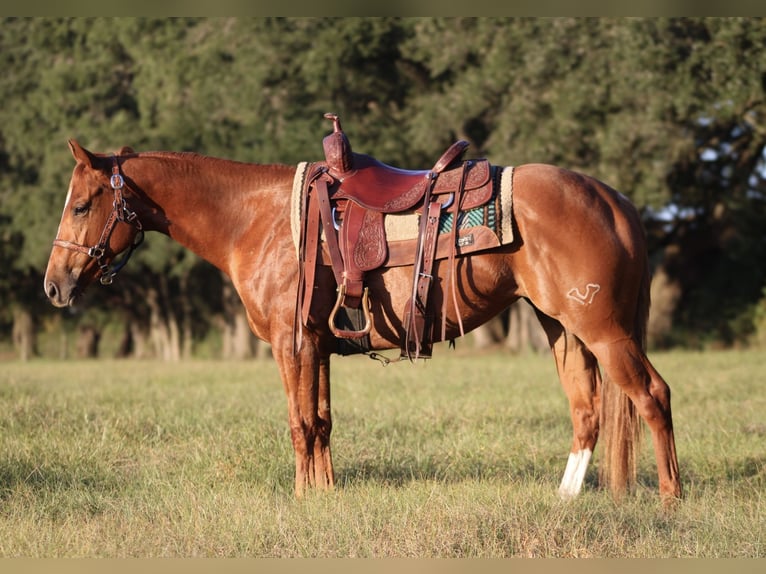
pixel 485 215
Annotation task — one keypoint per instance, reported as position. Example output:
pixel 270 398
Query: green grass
pixel 457 457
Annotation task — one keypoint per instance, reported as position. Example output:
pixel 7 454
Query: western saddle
pixel 347 197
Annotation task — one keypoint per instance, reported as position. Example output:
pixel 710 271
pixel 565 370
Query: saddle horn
pixel 337 149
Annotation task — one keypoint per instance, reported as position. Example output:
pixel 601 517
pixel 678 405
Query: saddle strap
pixel 414 316
pixel 310 251
pixel 318 209
pixel 451 283
pixel 417 339
pixel 429 252
pixel 328 224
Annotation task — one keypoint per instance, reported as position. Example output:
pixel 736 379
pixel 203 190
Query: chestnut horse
pixel 578 255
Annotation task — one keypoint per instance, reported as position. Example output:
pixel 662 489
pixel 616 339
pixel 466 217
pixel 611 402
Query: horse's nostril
pixel 52 290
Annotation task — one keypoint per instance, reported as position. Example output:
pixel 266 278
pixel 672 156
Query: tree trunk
pixel 88 339
pixel 524 330
pixel 134 343
pixel 126 346
pixel 24 333
pixel 163 327
pixel 490 333
pixel 238 341
pixel 187 336
pixel 140 336
pixel 63 344
pixel 665 294
pixel 516 329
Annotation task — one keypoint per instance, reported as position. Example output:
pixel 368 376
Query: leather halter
pixel 120 212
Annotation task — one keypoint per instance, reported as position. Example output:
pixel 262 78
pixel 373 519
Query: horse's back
pixel 555 203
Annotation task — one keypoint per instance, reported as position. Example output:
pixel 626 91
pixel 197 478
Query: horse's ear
pixel 125 150
pixel 81 155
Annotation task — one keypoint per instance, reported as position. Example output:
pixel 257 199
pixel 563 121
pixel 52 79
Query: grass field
pixel 457 457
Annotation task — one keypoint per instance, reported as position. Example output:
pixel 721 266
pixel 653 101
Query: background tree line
pixel 672 112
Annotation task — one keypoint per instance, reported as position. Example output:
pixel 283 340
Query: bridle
pixel 120 212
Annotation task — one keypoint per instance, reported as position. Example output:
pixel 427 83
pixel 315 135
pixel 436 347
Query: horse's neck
pixel 207 204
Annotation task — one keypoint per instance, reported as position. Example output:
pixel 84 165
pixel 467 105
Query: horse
pixel 578 255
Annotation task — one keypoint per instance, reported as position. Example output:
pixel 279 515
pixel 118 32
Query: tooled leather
pixel 370 249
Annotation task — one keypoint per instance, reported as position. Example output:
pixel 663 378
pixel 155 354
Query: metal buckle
pixel 117 181
pixel 128 215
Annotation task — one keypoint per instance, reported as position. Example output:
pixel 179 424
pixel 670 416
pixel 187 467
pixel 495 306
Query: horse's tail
pixel 620 423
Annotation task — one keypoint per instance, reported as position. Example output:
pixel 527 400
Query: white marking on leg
pixel 574 475
pixel 584 298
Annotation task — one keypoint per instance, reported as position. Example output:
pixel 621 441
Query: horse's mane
pixel 174 155
pixel 184 155
pixel 128 152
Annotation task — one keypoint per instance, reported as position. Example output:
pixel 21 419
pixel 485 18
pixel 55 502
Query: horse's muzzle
pixel 58 296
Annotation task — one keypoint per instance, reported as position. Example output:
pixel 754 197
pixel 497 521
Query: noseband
pixel 120 212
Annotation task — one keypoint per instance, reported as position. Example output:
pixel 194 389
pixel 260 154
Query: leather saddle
pixel 348 196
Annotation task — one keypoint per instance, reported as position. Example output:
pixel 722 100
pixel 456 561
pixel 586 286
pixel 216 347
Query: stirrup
pixel 347 333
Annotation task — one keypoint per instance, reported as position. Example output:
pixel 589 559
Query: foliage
pixel 672 112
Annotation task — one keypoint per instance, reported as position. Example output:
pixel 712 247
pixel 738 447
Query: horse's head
pixel 95 227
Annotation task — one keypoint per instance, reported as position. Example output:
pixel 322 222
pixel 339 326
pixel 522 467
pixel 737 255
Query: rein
pixel 120 212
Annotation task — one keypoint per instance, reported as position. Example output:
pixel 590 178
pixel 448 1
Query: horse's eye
pixel 81 209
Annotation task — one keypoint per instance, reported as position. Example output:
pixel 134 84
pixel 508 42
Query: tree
pixel 669 111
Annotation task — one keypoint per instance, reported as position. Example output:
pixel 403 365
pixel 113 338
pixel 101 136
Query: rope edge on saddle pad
pixel 296 202
pixel 506 206
pixel 504 229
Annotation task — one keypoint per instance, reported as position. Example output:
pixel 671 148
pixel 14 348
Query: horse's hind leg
pixel 624 362
pixel 579 374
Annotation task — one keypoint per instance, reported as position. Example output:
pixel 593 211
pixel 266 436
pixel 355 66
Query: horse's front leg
pixel 306 377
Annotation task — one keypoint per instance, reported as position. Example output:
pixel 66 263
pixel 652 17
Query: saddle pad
pixel 496 215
